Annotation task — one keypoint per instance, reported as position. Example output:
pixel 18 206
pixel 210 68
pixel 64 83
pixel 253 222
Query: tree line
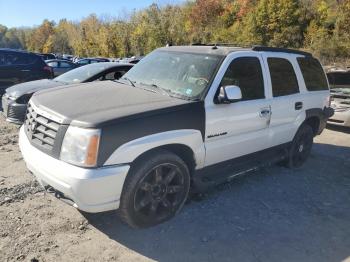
pixel 321 26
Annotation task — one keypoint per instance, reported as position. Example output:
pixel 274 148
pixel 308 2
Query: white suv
pixel 183 117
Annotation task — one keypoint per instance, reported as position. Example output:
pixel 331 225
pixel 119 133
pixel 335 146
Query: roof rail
pixel 238 45
pixel 277 49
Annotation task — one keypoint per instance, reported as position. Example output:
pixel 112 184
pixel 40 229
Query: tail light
pixel 329 100
pixel 49 69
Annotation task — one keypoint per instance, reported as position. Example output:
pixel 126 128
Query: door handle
pixel 25 70
pixel 298 105
pixel 265 112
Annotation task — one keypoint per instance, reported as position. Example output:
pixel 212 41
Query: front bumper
pixel 13 111
pixel 91 190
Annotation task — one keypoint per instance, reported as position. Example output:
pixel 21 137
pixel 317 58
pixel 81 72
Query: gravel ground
pixel 274 214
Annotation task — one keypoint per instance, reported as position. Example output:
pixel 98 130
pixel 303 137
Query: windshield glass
pixel 184 75
pixel 81 74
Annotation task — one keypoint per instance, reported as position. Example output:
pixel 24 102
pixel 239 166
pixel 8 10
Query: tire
pixel 301 147
pixel 155 189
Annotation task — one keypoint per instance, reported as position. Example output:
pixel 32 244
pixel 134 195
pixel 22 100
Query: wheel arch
pixel 181 150
pixel 314 117
pixel 187 144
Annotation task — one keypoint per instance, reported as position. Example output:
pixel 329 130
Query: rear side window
pixel 65 65
pixel 246 73
pixel 283 78
pixel 53 64
pixel 313 74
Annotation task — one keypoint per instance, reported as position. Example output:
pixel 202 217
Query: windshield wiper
pixel 169 92
pixel 127 79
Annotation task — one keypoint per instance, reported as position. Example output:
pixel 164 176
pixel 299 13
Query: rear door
pixel 287 102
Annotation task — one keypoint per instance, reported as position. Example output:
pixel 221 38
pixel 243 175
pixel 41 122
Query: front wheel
pixel 155 190
pixel 301 147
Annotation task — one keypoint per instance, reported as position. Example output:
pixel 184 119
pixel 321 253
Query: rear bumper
pixel 12 111
pixel 90 190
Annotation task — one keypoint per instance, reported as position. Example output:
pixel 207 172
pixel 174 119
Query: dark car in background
pixel 60 66
pixel 21 66
pixel 86 61
pixel 16 97
pixel 46 56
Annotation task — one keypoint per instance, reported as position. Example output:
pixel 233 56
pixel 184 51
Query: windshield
pixel 82 74
pixel 185 75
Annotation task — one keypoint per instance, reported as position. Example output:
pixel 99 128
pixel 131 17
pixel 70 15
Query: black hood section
pixel 97 104
pixel 186 116
pixel 31 87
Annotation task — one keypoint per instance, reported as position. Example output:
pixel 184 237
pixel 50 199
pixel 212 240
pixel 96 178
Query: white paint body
pixel 249 126
pixel 92 190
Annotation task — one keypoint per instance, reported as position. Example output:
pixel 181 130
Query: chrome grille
pixel 40 130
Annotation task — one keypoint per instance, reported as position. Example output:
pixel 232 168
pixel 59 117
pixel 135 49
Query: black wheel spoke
pixel 158 174
pixel 174 189
pixel 166 203
pixel 146 186
pixel 154 207
pixel 143 203
pixel 170 176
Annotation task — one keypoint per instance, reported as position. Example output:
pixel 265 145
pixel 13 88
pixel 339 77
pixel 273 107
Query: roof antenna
pixel 214 47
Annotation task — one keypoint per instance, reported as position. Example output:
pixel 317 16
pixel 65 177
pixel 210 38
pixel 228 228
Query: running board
pixel 216 174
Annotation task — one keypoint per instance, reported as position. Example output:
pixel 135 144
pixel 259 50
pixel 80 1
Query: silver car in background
pixel 339 82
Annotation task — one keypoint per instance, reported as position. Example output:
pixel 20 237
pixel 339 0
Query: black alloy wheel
pixel 160 192
pixel 155 190
pixel 301 147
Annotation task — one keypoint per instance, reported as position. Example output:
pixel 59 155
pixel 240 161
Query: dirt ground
pixel 274 214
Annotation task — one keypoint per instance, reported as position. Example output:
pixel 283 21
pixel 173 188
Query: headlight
pixel 80 146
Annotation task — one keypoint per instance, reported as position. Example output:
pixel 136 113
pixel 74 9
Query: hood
pixel 31 87
pixel 99 103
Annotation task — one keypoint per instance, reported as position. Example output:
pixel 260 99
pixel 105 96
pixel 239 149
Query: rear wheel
pixel 155 190
pixel 301 147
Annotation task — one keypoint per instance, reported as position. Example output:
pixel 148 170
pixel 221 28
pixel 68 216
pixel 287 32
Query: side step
pixel 216 174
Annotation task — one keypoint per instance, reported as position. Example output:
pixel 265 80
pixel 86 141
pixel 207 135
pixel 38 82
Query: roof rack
pixel 255 48
pixel 277 49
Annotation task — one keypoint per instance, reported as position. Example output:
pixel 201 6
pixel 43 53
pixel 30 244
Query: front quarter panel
pixel 128 152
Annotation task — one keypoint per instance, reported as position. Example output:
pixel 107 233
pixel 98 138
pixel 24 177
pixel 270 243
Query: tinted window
pixel 313 74
pixel 246 73
pixel 115 75
pixel 2 58
pixel 283 78
pixel 12 58
pixel 53 64
pixel 82 73
pixel 83 62
pixel 65 65
pixel 335 78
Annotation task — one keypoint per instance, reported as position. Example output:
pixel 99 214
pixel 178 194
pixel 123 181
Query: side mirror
pixel 229 94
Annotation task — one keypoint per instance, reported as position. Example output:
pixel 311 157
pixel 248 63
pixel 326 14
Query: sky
pixel 17 13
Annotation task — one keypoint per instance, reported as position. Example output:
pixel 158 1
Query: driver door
pixel 239 128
